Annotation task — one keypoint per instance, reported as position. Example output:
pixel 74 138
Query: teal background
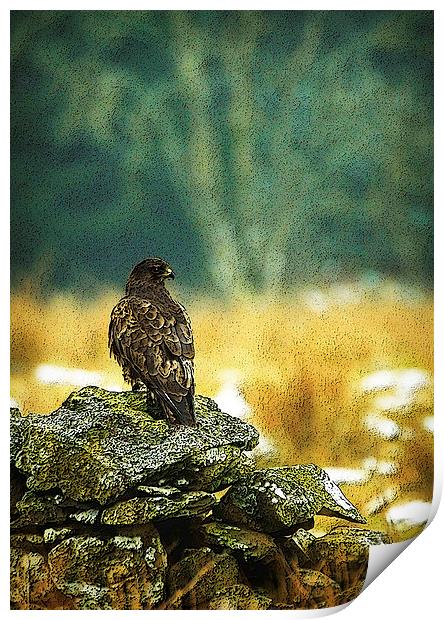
pixel 255 151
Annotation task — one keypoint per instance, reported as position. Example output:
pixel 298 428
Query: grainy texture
pixel 118 572
pixel 150 336
pixel 89 532
pixel 198 576
pixel 99 444
pixel 279 499
pixel 247 544
pixel 158 507
pixel 239 597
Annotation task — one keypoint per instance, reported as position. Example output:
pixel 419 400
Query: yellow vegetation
pixel 298 367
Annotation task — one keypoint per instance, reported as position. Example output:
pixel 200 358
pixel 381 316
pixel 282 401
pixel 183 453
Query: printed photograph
pixel 221 304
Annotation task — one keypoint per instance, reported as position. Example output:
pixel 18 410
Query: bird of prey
pixel 150 337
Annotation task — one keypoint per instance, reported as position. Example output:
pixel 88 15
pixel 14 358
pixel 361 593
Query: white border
pixel 412 584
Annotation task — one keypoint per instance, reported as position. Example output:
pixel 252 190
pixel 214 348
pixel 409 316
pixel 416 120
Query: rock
pixel 302 540
pixel 89 480
pixel 291 552
pixel 198 576
pixel 98 444
pixel 160 504
pixel 246 544
pixel 213 469
pixel 38 509
pixel 239 597
pixel 17 431
pixel 120 572
pixel 342 554
pixel 368 537
pixel 317 590
pixel 17 489
pixel 55 535
pixel 279 499
pixel 18 540
pixel 89 516
pixel 31 584
pixel 274 576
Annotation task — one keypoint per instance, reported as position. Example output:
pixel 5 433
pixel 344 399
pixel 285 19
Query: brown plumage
pixel 150 337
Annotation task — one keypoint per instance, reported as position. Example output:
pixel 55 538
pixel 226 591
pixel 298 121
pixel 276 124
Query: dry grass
pixel 299 370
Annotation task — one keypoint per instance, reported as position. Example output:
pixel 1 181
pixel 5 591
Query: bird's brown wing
pixel 157 348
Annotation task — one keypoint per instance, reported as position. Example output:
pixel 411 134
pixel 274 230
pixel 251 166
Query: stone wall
pixel 112 508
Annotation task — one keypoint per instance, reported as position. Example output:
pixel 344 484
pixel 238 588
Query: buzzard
pixel 150 337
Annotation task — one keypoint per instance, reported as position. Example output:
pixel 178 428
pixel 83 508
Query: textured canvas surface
pixel 282 163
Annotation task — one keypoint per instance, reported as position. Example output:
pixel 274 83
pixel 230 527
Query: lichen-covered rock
pixel 246 544
pixel 89 480
pixel 364 536
pixel 44 508
pixel 124 571
pixel 279 499
pixel 17 432
pixel 160 504
pixel 295 547
pixel 317 590
pixel 98 444
pixel 198 576
pixel 54 535
pixel 88 516
pixel 30 582
pixel 239 597
pixel 213 469
pixel 343 553
pixel 26 537
pixel 303 540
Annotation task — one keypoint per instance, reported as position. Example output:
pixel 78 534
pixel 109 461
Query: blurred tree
pixel 254 150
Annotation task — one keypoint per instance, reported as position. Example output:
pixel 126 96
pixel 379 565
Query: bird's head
pixel 150 271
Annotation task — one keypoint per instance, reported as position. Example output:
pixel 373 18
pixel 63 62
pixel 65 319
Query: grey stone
pixel 17 432
pixel 213 469
pixel 39 509
pixel 343 553
pixel 317 591
pixel 303 540
pixel 198 576
pixel 279 499
pixel 55 535
pixel 239 597
pixel 89 516
pixel 158 506
pixel 118 572
pixel 247 544
pixel 98 444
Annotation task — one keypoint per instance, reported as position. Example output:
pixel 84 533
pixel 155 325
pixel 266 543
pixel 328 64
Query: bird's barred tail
pixel 178 412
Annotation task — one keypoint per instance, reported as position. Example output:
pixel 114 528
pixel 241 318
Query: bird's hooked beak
pixel 169 273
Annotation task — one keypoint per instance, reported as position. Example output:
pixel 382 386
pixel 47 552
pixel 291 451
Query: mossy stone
pixel 239 597
pixel 118 572
pixel 195 579
pixel 158 506
pixel 213 469
pixel 42 508
pixel 343 554
pixel 98 444
pixel 278 499
pixel 246 544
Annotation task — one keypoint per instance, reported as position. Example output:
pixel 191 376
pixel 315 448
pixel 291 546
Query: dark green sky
pixel 251 149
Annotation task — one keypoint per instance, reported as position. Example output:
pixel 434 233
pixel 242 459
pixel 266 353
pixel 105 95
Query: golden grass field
pixel 299 364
